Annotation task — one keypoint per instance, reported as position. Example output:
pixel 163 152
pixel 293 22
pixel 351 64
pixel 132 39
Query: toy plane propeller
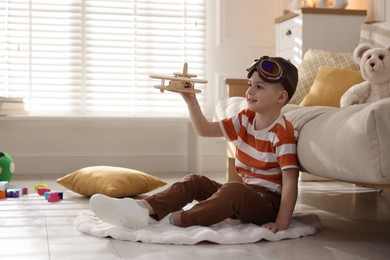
pixel 177 82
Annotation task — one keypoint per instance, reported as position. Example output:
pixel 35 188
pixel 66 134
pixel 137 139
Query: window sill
pixel 28 117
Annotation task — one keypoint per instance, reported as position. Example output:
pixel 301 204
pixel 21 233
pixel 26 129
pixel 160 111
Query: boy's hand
pixel 274 227
pixel 188 97
pixel 199 122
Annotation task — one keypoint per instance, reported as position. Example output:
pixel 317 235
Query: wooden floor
pixel 356 225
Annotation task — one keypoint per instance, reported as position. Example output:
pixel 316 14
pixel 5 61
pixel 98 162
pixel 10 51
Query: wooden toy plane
pixel 178 81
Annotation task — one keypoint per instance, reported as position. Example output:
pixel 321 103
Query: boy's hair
pixel 289 76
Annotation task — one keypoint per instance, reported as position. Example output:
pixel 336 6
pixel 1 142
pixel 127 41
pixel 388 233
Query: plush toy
pixel 375 69
pixel 7 167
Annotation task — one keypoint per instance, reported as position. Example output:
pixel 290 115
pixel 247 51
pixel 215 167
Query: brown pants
pixel 216 202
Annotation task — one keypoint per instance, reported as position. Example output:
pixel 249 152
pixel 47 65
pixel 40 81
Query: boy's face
pixel 264 96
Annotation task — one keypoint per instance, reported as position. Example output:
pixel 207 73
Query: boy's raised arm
pixel 201 125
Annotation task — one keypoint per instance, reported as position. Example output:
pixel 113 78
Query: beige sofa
pixel 348 144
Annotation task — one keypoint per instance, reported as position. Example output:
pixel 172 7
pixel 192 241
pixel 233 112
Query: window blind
pixel 94 57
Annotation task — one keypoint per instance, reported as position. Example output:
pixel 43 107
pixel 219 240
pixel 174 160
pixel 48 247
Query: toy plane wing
pixel 177 82
pixel 178 78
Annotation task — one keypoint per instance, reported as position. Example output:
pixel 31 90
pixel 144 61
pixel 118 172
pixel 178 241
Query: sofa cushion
pixel 329 85
pixel 378 34
pixel 308 68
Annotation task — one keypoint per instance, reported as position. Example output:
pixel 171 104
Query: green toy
pixel 7 167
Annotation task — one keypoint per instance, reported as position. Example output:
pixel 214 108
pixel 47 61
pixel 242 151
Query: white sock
pixel 120 212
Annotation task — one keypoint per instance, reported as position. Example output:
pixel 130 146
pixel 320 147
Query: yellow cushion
pixel 329 85
pixel 111 181
pixel 308 68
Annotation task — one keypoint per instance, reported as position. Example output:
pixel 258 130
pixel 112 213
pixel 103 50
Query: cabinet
pixel 335 30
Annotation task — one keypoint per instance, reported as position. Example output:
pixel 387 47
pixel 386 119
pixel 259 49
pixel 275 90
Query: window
pixel 93 57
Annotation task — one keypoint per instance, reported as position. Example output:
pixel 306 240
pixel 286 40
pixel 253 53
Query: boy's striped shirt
pixel 261 155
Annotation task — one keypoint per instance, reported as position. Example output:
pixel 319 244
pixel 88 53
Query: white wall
pixel 238 31
pixel 48 145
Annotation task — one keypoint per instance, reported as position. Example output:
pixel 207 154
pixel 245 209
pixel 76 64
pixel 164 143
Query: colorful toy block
pixel 53 197
pixel 41 191
pixel 25 191
pixel 60 194
pixel 40 185
pixel 13 193
pixel 46 194
pixel 2 194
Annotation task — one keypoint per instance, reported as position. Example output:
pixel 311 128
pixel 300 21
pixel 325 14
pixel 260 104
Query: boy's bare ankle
pixel 175 219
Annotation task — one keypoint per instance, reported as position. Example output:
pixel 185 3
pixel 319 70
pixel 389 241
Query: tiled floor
pixel 356 226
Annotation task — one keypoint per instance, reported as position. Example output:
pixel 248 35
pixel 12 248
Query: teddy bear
pixel 375 69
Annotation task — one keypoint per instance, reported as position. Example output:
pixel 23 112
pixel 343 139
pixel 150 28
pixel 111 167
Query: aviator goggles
pixel 269 70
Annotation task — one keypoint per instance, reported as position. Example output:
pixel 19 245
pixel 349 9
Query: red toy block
pixel 41 191
pixel 2 194
pixel 53 197
pixel 59 193
pixel 25 191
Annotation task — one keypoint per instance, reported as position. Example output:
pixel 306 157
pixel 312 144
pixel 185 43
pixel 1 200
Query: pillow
pixel 110 181
pixel 330 84
pixel 378 34
pixel 312 60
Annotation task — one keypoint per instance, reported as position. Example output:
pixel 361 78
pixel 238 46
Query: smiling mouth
pixel 250 100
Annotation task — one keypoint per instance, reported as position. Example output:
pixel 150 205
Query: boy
pixel 265 159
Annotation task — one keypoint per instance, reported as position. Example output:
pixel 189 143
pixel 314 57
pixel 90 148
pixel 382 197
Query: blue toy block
pixel 47 194
pixel 13 193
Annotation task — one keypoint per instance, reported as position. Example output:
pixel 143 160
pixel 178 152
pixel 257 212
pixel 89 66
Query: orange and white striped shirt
pixel 261 155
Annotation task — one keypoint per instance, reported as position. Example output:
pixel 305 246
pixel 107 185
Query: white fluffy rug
pixel 226 232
